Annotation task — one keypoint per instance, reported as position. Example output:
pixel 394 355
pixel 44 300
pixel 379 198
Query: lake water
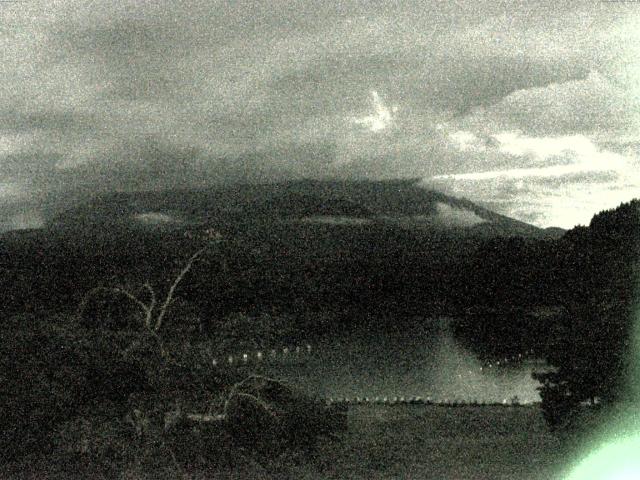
pixel 425 362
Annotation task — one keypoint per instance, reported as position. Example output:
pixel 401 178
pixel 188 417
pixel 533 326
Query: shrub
pixel 54 371
pixel 268 415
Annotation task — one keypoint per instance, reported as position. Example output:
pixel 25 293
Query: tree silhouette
pixel 153 311
pixel 590 348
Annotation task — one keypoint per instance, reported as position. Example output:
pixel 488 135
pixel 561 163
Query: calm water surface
pixel 426 362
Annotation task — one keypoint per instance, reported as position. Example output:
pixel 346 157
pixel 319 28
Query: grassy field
pixel 383 442
pixel 435 442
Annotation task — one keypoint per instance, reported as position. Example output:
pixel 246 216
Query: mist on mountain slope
pixel 403 203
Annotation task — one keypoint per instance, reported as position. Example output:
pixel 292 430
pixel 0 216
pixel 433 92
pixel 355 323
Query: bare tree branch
pixel 152 304
pixel 234 392
pixel 205 418
pixel 152 326
pixel 176 282
pixel 145 308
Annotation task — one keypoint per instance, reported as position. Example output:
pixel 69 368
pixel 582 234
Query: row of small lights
pixel 285 351
pixel 414 400
pixel 516 358
pixel 259 356
pixel 380 400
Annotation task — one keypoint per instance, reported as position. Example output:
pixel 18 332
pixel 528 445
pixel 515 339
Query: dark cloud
pixel 29 167
pixel 127 60
pixel 139 95
pixel 50 120
pixel 154 164
pixel 593 103
pixel 605 177
pixel 452 83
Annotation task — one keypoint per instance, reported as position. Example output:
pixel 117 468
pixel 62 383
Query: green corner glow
pixel 616 461
pixel 617 454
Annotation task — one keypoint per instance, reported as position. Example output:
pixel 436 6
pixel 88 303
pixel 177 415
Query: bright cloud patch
pixel 382 118
pixel 335 220
pixel 557 156
pixel 457 216
pixel 552 171
pixel 568 148
pixel 467 141
pixel 22 221
pixel 445 216
pixel 12 143
pixel 155 218
pixel 552 181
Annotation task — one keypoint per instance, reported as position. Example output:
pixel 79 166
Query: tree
pixel 589 349
pixel 590 355
pixel 153 312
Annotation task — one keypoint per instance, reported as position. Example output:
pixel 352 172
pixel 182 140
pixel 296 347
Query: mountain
pixel 359 248
pixel 398 203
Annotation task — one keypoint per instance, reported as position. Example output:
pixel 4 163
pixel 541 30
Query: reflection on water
pixel 425 362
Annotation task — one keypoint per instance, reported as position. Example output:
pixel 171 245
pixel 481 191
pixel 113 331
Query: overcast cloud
pixel 531 108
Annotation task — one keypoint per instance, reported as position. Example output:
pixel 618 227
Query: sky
pixel 530 108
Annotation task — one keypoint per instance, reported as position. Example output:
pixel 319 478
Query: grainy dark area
pixel 395 442
pixel 302 239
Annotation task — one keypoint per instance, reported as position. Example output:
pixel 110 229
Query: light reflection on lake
pixel 425 363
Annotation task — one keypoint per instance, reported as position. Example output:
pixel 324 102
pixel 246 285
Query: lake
pixel 422 361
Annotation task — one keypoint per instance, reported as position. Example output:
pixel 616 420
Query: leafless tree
pixel 154 312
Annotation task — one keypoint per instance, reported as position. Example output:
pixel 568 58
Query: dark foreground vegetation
pixel 381 442
pixel 112 400
pixel 109 330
